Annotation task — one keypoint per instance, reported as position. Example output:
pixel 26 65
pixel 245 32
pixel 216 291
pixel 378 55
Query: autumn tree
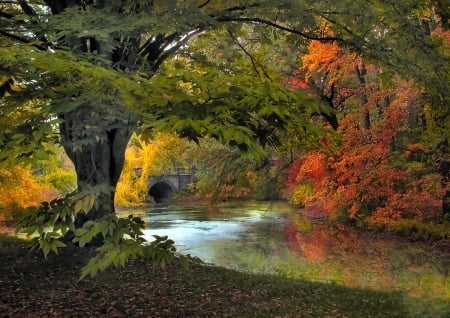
pixel 416 49
pixel 381 166
pixel 19 189
pixel 118 61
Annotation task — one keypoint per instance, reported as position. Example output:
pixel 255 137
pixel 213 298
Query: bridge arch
pixel 162 187
pixel 161 191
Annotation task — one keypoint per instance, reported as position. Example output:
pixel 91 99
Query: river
pixel 272 238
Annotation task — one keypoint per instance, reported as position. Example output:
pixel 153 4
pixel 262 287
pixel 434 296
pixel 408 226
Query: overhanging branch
pixel 204 4
pixel 277 26
pixel 252 59
pixel 169 51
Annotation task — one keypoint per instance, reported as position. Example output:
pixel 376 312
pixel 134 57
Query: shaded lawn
pixel 33 287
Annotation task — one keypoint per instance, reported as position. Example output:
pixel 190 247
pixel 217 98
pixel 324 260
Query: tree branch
pixel 168 52
pixel 277 26
pixel 252 59
pixel 242 7
pixel 204 4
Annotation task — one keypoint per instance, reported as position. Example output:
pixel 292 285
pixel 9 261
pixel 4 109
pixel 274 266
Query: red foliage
pixel 444 36
pixel 293 173
pixel 360 180
pixel 367 177
pixel 296 83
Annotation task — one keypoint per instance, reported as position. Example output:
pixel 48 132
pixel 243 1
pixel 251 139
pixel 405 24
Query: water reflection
pixel 271 238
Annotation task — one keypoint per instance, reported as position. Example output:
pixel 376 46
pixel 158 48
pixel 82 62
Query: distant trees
pixel 222 172
pixel 163 154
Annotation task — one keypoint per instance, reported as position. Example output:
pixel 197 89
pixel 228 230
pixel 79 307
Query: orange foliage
pixel 360 179
pixel 367 182
pixel 313 169
pixel 19 188
pixel 328 58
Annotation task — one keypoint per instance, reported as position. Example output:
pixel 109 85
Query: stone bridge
pixel 161 188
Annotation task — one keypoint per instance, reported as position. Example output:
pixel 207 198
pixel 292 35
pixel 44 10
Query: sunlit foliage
pixel 19 189
pixel 162 154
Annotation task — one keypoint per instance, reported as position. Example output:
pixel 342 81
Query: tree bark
pixel 98 155
pixel 443 166
pixel 361 73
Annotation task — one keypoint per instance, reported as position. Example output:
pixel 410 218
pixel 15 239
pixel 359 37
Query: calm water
pixel 272 238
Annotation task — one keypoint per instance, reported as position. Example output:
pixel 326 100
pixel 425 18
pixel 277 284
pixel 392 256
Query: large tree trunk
pixel 95 137
pixel 97 152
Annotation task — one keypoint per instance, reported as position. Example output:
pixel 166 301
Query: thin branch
pixel 343 27
pixel 204 4
pixel 252 59
pixel 242 7
pixel 277 26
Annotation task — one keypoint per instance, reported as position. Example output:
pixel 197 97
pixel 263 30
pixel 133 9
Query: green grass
pixel 418 230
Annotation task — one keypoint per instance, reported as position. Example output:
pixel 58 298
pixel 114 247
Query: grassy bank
pixel 33 287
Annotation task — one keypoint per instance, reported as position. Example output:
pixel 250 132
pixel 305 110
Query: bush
pixel 302 194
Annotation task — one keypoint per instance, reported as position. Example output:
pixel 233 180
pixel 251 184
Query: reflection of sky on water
pixel 198 234
pixel 192 237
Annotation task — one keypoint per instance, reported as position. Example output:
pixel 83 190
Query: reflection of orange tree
pixel 214 211
pixel 367 260
pixel 311 246
pixel 363 262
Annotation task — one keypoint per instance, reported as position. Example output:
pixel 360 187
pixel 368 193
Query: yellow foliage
pixel 302 194
pixel 20 189
pixel 155 157
pixel 129 189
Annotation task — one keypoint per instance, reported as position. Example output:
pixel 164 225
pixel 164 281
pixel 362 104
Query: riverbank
pixel 33 287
